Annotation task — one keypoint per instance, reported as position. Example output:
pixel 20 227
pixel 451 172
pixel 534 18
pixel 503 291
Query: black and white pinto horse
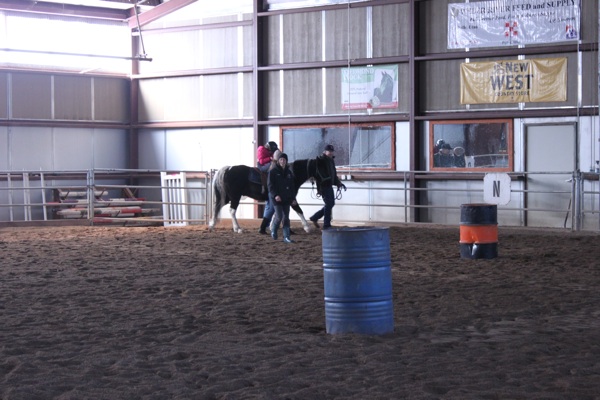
pixel 231 183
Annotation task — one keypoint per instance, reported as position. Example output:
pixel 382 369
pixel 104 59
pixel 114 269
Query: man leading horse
pixel 325 187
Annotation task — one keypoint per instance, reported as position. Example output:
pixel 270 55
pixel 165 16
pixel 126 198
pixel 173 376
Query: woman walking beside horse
pixel 281 194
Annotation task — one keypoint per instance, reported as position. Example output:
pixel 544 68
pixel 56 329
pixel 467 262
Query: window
pixel 65 43
pixel 480 145
pixel 357 146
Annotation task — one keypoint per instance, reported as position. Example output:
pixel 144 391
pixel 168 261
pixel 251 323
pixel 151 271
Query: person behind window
pixel 325 188
pixel 459 157
pixel 281 192
pixel 444 158
pixel 438 145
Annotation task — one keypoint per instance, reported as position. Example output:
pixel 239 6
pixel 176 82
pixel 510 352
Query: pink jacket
pixel 263 155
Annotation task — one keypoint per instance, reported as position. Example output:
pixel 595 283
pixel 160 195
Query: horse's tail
pixel 218 195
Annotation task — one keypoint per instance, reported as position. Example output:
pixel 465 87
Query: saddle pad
pixel 254 176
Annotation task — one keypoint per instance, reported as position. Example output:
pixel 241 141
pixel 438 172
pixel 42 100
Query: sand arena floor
pixel 184 313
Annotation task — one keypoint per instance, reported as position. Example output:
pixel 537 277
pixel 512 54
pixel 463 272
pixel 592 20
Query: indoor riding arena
pixel 441 159
pixel 184 313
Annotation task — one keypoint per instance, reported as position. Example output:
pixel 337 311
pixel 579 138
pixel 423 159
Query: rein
pixel 312 177
pixel 317 172
pixel 338 193
pixel 317 175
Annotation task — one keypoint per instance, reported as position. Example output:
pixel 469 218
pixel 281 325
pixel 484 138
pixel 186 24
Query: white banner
pixel 512 22
pixel 370 87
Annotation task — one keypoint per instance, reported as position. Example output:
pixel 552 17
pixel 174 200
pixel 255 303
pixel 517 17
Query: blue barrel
pixel 358 281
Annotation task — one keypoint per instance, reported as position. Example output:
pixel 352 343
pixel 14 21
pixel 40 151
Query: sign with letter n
pixel 496 188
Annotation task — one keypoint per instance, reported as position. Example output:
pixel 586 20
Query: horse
pixel 385 91
pixel 231 183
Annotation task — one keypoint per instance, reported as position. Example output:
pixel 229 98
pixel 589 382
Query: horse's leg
pixel 216 208
pixel 232 210
pixel 305 224
pixel 211 224
pixel 214 219
pixel 234 222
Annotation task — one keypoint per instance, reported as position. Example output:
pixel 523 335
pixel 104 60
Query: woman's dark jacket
pixel 281 183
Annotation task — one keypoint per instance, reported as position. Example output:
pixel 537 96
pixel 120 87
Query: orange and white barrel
pixel 478 231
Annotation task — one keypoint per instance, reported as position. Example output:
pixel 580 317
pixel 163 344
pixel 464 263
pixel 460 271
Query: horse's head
pixel 386 87
pixel 313 169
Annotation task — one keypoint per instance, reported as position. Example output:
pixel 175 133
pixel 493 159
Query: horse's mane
pixel 301 169
pixel 308 169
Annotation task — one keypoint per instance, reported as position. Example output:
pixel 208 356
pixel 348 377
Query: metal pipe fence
pixel 143 197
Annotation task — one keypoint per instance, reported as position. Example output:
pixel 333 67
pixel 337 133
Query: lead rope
pixel 338 193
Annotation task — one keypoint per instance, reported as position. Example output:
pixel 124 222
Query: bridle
pixel 317 175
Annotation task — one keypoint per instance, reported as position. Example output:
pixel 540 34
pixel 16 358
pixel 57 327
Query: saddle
pixel 257 176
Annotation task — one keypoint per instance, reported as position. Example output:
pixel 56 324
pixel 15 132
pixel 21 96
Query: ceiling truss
pixel 104 9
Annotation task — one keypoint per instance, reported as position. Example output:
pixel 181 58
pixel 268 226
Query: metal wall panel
pixel 111 99
pixel 111 148
pixel 198 49
pixel 73 98
pixel 31 96
pixel 193 98
pixel 3 95
pixel 390 26
pixel 302 92
pixel 73 149
pixel 196 149
pixel 30 148
pixel 303 37
pixel 441 83
pixel 4 148
pixel 151 95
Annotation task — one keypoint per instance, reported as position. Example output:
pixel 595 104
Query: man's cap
pixel 329 148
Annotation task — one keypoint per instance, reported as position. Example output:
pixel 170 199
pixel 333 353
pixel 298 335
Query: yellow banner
pixel 513 81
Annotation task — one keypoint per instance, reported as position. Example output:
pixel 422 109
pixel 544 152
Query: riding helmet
pixel 272 146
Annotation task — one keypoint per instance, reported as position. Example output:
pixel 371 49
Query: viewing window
pixel 476 145
pixel 357 146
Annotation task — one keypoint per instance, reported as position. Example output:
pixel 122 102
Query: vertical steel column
pixel 414 127
pixel 576 204
pixel 90 196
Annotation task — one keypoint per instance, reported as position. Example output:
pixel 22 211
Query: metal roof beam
pixel 70 10
pixel 157 12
